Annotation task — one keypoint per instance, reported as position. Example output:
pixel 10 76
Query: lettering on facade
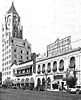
pixel 59 47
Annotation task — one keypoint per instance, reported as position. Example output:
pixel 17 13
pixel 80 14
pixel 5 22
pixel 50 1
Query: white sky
pixel 45 20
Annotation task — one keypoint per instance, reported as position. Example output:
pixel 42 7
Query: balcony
pixel 23 74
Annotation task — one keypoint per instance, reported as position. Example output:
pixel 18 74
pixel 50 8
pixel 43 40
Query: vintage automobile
pixel 76 90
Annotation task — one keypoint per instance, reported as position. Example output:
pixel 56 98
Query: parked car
pixel 76 90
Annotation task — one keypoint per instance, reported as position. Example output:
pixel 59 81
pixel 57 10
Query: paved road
pixel 15 94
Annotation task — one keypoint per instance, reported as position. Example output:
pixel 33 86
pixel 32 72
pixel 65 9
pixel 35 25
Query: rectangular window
pixel 27 57
pixel 27 52
pixel 9 61
pixel 14 50
pixel 21 51
pixel 2 64
pixel 21 57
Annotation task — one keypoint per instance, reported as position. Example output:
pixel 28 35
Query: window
pixel 2 64
pixel 39 69
pixel 14 50
pixel 21 57
pixel 27 58
pixel 15 61
pixel 61 65
pixel 24 44
pixel 3 59
pixel 49 67
pixel 2 45
pixel 43 68
pixel 7 41
pixel 27 52
pixel 21 51
pixel 6 47
pixel 54 66
pixel 9 56
pixel 3 55
pixel 9 61
pixel 28 47
pixel 12 41
pixel 72 62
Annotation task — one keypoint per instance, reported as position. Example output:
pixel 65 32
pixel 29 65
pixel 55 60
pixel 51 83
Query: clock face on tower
pixel 8 23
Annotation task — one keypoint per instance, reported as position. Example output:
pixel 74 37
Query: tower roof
pixel 12 9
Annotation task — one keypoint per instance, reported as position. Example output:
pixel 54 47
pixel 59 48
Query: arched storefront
pixel 48 83
pixel 22 82
pixel 32 83
pixel 27 82
pixel 43 83
pixel 38 82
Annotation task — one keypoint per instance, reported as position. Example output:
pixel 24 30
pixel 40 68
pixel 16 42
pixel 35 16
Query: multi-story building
pixel 61 59
pixel 14 48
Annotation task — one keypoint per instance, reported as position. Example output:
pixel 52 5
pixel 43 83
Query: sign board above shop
pixel 59 46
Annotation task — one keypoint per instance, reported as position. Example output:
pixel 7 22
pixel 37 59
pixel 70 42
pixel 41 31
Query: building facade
pixel 52 70
pixel 14 48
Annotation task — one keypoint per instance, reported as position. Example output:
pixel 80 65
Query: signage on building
pixel 58 77
pixel 59 46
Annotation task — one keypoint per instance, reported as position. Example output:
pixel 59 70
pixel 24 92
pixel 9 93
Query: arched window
pixel 61 65
pixel 43 68
pixel 22 82
pixel 38 69
pixel 72 62
pixel 49 67
pixel 43 81
pixel 48 83
pixel 54 66
pixel 38 82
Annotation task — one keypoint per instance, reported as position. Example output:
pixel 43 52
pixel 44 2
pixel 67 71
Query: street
pixel 16 94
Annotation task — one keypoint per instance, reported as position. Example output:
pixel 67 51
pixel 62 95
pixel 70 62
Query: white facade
pixel 14 48
pixel 76 53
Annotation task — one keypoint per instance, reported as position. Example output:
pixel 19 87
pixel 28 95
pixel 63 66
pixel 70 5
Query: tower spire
pixel 12 9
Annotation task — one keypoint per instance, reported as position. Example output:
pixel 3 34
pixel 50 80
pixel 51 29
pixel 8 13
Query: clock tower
pixel 14 49
pixel 12 22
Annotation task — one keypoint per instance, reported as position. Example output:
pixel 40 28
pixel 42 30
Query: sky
pixel 45 20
